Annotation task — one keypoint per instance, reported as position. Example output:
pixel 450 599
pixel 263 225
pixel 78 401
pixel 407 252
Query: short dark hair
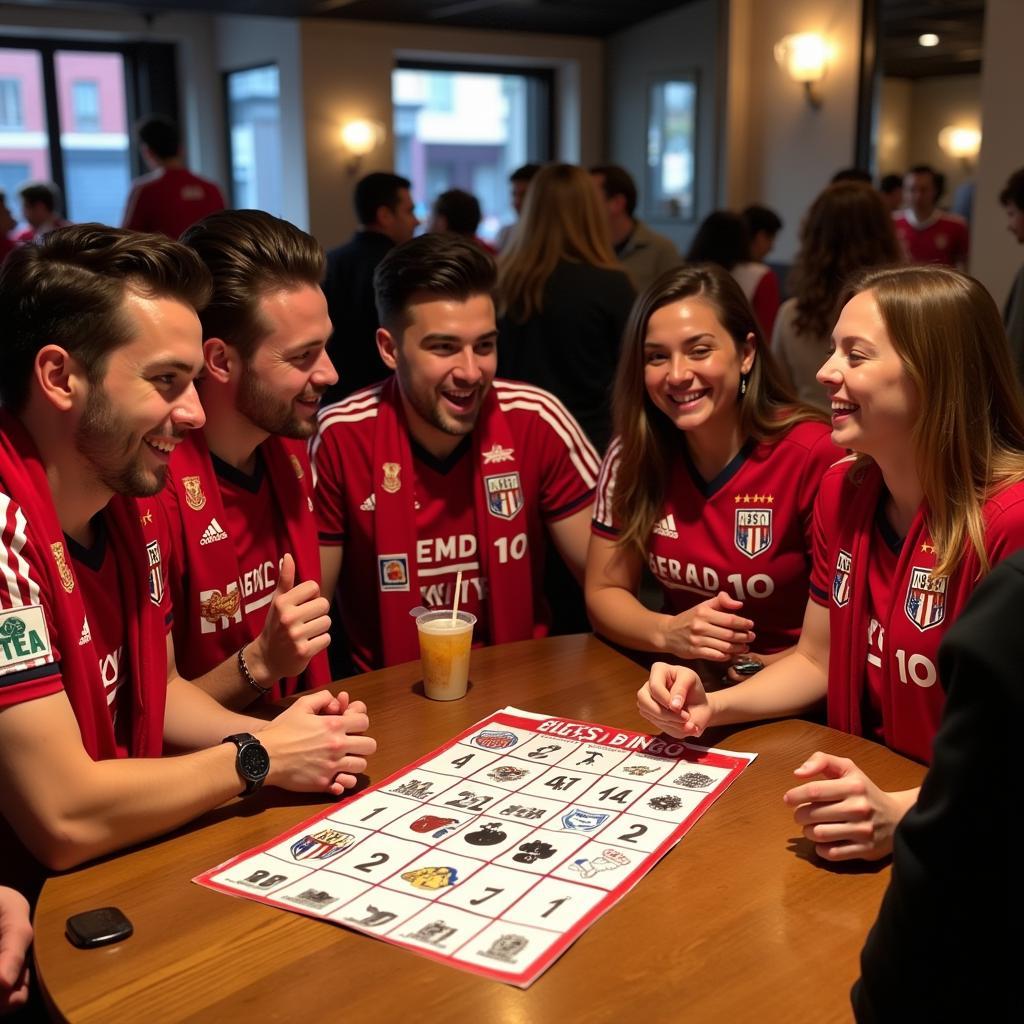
pixel 68 290
pixel 722 238
pixel 890 183
pixel 376 190
pixel 938 178
pixel 460 209
pixel 250 253
pixel 447 266
pixel 160 133
pixel 851 174
pixel 1013 192
pixel 617 181
pixel 761 218
pixel 45 192
pixel 525 173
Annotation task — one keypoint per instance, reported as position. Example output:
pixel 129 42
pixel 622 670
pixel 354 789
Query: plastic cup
pixel 444 653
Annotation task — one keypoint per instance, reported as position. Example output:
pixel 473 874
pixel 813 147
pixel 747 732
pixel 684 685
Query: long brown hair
pixel 846 230
pixel 968 436
pixel 561 220
pixel 647 437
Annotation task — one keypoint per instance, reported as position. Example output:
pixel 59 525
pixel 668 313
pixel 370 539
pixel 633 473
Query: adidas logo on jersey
pixel 370 504
pixel 212 533
pixel 667 527
pixel 86 637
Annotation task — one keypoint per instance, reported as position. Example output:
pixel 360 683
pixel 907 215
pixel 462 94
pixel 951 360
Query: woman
pixel 903 533
pixel 710 481
pixel 724 238
pixel 565 297
pixel 846 230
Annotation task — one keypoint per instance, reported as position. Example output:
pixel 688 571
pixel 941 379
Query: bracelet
pixel 243 671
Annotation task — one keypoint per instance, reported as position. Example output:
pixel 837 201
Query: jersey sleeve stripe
pixel 606 485
pixel 507 389
pixel 19 587
pixel 573 506
pixel 817 594
pixel 578 458
pixel 49 669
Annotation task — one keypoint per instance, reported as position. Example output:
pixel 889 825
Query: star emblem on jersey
pixel 391 483
pixel 841 580
pixel 925 603
pixel 156 576
pixel 498 454
pixel 296 465
pixel 60 556
pixel 504 495
pixel 753 530
pixel 146 518
pixel 213 533
pixel 194 496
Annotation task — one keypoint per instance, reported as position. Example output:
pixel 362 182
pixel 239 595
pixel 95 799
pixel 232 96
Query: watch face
pixel 253 762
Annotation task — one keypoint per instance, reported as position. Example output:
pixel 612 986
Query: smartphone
pixel 747 665
pixel 98 927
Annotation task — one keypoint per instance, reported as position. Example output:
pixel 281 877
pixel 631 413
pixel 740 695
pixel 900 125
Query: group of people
pixel 181 507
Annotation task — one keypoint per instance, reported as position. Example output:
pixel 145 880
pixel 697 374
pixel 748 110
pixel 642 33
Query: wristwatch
pixel 252 762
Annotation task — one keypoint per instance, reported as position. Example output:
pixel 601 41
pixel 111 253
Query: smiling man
pixel 246 569
pixel 102 343
pixel 443 468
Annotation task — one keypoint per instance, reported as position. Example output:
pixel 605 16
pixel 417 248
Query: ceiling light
pixel 928 39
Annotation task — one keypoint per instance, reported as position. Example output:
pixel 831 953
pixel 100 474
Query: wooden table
pixel 737 923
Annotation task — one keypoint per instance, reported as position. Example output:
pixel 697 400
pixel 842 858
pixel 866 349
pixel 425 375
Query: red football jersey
pixel 170 200
pixel 943 238
pixel 747 532
pixel 558 469
pixel 885 553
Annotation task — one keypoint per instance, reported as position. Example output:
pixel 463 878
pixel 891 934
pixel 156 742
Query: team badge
pixel 578 820
pixel 156 576
pixel 391 483
pixel 23 637
pixel 296 465
pixel 498 454
pixel 431 878
pixel 841 580
pixel 753 533
pixel 322 845
pixel 67 580
pixel 496 739
pixel 194 496
pixel 925 603
pixel 218 608
pixel 507 773
pixel 393 571
pixel 146 519
pixel 504 495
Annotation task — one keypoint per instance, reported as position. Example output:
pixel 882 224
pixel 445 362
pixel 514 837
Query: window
pixel 10 104
pixel 469 128
pixel 254 126
pixel 85 102
pixel 670 149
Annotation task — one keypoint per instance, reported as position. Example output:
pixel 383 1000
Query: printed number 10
pixel 516 547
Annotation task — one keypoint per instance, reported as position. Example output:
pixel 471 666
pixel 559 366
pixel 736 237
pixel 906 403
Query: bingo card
pixel 496 851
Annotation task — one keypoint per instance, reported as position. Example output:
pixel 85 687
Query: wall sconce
pixel 359 137
pixel 804 56
pixel 960 143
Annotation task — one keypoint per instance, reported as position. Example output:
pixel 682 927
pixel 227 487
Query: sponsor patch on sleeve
pixel 24 638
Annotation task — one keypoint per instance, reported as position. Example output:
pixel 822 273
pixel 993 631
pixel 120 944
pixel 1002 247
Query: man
pixel 519 181
pixel 384 208
pixel 171 197
pixel 40 203
pixel 101 346
pixel 927 234
pixel 458 212
pixel 763 225
pixel 444 469
pixel 946 945
pixel 890 188
pixel 644 254
pixel 1012 198
pixel 245 571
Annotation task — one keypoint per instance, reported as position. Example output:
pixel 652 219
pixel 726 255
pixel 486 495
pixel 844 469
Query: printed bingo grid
pixel 496 851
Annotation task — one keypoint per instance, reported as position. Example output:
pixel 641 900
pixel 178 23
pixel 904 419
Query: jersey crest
pixel 156 573
pixel 194 496
pixel 498 454
pixel 391 483
pixel 60 557
pixel 217 609
pixel 925 603
pixel 504 495
pixel 753 532
pixel 841 580
pixel 296 465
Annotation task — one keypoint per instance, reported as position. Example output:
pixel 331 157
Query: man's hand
pixel 710 630
pixel 844 813
pixel 674 700
pixel 296 628
pixel 15 938
pixel 316 744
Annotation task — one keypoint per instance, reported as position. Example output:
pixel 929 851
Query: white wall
pixel 934 104
pixel 684 41
pixel 995 255
pixel 789 151
pixel 198 84
pixel 892 137
pixel 247 42
pixel 346 73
